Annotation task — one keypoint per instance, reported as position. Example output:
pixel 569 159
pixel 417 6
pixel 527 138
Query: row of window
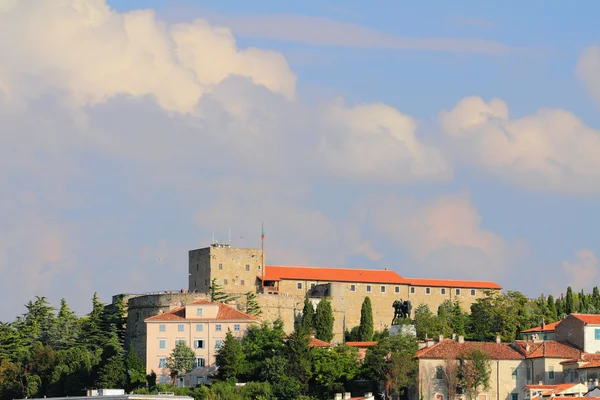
pixel 199 327
pixel 220 267
pixel 199 362
pixel 383 289
pixel 198 343
pixel 439 373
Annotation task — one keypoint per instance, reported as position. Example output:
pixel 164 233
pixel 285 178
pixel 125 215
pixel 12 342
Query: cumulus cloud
pixel 551 149
pixel 583 271
pixel 444 237
pixel 588 70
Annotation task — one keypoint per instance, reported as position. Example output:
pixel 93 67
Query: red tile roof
pixel 556 389
pixel 547 348
pixel 225 313
pixel 543 328
pixel 277 273
pixel 451 349
pixel 591 364
pixel 451 283
pixel 361 344
pixel 593 319
pixel 314 342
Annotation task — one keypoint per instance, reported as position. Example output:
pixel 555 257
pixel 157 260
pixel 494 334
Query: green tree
pixel 39 320
pixel 218 294
pixel 569 306
pixel 365 329
pixel 260 344
pixel 583 306
pixel 181 360
pixel 299 356
pixel 459 319
pixel 230 358
pixel 94 333
pixel 352 335
pixel 136 372
pixel 66 328
pixel 307 324
pixel 596 298
pixel 332 368
pixel 504 314
pixel 392 364
pixel 560 308
pixel 324 320
pixel 429 325
pixel 252 306
pixel 474 373
pixel 552 313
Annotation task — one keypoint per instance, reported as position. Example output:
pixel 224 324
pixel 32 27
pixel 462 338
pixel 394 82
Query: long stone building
pixel 281 290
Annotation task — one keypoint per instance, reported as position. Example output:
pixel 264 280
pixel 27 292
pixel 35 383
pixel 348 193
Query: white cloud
pixel 443 237
pixel 588 70
pixel 582 273
pixel 329 32
pixel 94 53
pixel 552 149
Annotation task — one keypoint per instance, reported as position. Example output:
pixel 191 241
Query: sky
pixel 437 139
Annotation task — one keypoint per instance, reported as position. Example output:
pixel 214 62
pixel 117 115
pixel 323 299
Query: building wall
pixel 591 344
pixel 210 334
pixel 502 382
pixel 571 330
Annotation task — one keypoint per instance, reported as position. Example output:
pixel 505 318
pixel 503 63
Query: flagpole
pixel 262 239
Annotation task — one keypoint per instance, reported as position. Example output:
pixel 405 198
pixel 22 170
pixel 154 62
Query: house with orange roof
pixel 580 330
pixel 542 332
pixel 513 366
pixel 280 290
pixel 202 325
pixel 574 389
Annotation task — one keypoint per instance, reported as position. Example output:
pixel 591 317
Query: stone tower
pixel 236 270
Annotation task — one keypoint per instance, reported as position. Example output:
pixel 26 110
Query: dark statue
pixel 402 309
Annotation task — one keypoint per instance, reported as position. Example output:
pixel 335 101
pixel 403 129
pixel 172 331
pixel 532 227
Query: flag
pixel 262 236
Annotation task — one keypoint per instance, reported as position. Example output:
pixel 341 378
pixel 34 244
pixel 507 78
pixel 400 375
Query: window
pixel 218 343
pixel 179 341
pixel 473 292
pixel 236 327
pixel 551 373
pixel 206 282
pixel 528 370
pixel 220 266
pixel 198 312
pixel 180 327
pixel 258 267
pixel 224 281
pixel 397 289
pixel 443 290
pixel 162 328
pixel 218 327
pixel 353 288
pixel 597 333
pixel 242 282
pixel 382 289
pixel 412 290
pixel 514 396
pixel 199 327
pixel 515 373
pixel 199 363
pixel 199 344
pixel 439 373
pixel 457 292
pixel 312 285
pixel 368 288
pixel 299 285
pixel 162 344
pixel 427 290
pixel 247 267
pixel 162 362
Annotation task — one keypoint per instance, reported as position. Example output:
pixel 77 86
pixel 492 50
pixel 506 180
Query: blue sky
pixel 362 135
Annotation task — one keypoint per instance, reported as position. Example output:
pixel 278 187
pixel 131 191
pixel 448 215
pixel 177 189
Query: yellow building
pixel 201 325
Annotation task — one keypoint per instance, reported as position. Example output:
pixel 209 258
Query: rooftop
pixel 225 313
pixel 593 319
pixel 452 349
pixel 543 328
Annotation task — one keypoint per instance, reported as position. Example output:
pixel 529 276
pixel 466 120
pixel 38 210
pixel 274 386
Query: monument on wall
pixel 401 323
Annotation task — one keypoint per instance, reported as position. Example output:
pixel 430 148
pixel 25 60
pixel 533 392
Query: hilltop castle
pixel 280 290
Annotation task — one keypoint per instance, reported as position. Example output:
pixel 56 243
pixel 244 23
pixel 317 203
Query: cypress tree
pixel 307 324
pixel 324 321
pixel 552 309
pixel 582 302
pixel 560 308
pixel 569 307
pixel 458 319
pixel 596 298
pixel 365 329
pixel 230 358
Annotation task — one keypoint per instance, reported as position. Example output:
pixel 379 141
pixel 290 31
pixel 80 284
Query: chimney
pixel 347 396
pixel 338 396
pixel 498 339
pixel 454 336
pixel 461 339
pixel 527 348
pixel 440 338
pixel 596 382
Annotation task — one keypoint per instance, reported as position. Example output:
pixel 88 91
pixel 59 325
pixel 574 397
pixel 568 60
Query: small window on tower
pixel 299 285
pixel 353 288
pixel 220 266
pixel 368 288
pixel 397 289
pixel 242 282
pixel 224 281
pixel 247 267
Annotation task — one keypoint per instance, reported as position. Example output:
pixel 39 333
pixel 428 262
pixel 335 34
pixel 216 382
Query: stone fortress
pixel 281 290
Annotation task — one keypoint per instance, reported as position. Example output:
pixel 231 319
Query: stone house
pixel 201 325
pixel 580 330
pixel 542 332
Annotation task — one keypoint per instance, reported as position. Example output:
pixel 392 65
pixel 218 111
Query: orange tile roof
pixel 545 328
pixel 451 349
pixel 361 344
pixel 593 319
pixel 591 364
pixel 277 273
pixel 556 389
pixel 547 348
pixel 225 313
pixel 451 283
pixel 314 342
